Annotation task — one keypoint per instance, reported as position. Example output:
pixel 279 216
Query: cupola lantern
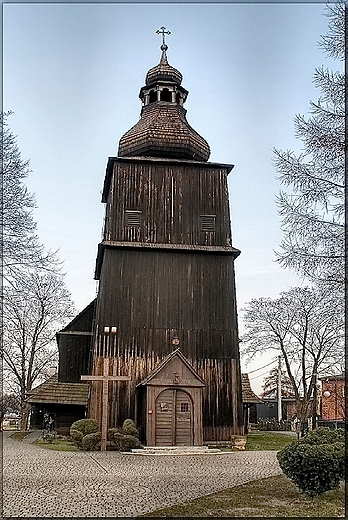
pixel 163 130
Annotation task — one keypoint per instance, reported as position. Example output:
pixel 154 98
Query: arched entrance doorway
pixel 172 405
pixel 174 418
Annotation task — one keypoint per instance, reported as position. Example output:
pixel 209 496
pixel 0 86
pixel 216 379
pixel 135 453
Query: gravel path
pixel 44 483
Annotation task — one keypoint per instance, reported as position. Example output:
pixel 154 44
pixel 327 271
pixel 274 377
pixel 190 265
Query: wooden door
pixel 174 419
pixel 164 418
pixel 183 419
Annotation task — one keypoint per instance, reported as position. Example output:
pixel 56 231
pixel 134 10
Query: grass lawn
pixel 57 445
pixel 268 497
pixel 260 440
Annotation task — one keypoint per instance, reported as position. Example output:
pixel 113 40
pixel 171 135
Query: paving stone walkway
pixel 42 483
pixel 32 436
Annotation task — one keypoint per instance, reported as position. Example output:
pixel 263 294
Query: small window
pixel 133 218
pixel 208 222
pixel 184 407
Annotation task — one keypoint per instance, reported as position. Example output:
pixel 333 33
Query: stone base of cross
pixel 105 378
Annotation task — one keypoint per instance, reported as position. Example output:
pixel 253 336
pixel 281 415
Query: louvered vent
pixel 208 222
pixel 133 218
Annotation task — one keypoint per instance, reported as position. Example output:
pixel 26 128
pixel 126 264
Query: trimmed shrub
pixel 122 442
pixel 85 426
pixel 125 438
pixel 79 429
pixel 323 436
pixel 91 441
pixel 48 436
pixel 116 440
pixel 129 428
pixel 130 442
pixel 314 468
pixel 111 433
pixel 329 436
pixel 77 436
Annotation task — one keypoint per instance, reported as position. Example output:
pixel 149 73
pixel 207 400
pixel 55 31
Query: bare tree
pixel 306 328
pixel 312 206
pixel 20 246
pixel 35 301
pixel 36 306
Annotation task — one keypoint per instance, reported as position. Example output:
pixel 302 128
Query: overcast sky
pixel 72 74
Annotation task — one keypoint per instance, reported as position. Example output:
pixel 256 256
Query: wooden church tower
pixel 166 307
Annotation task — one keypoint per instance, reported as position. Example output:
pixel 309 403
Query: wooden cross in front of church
pixel 105 378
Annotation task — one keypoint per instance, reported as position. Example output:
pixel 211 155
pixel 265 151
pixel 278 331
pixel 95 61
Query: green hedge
pixel 273 425
pixel 87 436
pixel 316 463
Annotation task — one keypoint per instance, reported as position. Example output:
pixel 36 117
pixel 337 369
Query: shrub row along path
pixel 44 483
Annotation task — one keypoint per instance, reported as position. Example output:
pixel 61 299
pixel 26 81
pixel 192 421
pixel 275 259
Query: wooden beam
pixel 105 378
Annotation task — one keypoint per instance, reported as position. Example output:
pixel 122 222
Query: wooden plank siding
pixel 74 354
pixel 75 344
pixel 220 433
pixel 171 199
pixel 164 431
pixel 151 295
pixel 219 407
pixel 170 290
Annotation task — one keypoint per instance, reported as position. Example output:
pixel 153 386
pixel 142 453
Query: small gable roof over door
pixel 174 370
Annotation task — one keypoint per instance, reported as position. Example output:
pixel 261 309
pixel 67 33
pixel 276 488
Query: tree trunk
pixel 25 412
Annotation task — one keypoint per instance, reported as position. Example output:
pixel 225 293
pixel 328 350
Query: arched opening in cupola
pixel 153 96
pixel 166 95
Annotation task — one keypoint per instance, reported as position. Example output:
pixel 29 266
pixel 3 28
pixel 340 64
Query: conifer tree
pixel 312 206
pixel 270 385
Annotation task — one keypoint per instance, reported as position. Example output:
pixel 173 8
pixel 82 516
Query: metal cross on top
pixel 105 378
pixel 163 31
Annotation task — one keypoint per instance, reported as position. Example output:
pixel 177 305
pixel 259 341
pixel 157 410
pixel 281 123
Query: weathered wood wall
pixel 172 197
pixel 74 345
pixel 167 277
pixel 157 290
pixel 74 354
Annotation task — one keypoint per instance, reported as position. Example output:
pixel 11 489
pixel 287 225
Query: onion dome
pixel 163 72
pixel 163 130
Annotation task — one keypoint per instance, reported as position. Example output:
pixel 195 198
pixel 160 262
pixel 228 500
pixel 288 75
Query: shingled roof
pixel 163 72
pixel 248 396
pixel 54 392
pixel 163 130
